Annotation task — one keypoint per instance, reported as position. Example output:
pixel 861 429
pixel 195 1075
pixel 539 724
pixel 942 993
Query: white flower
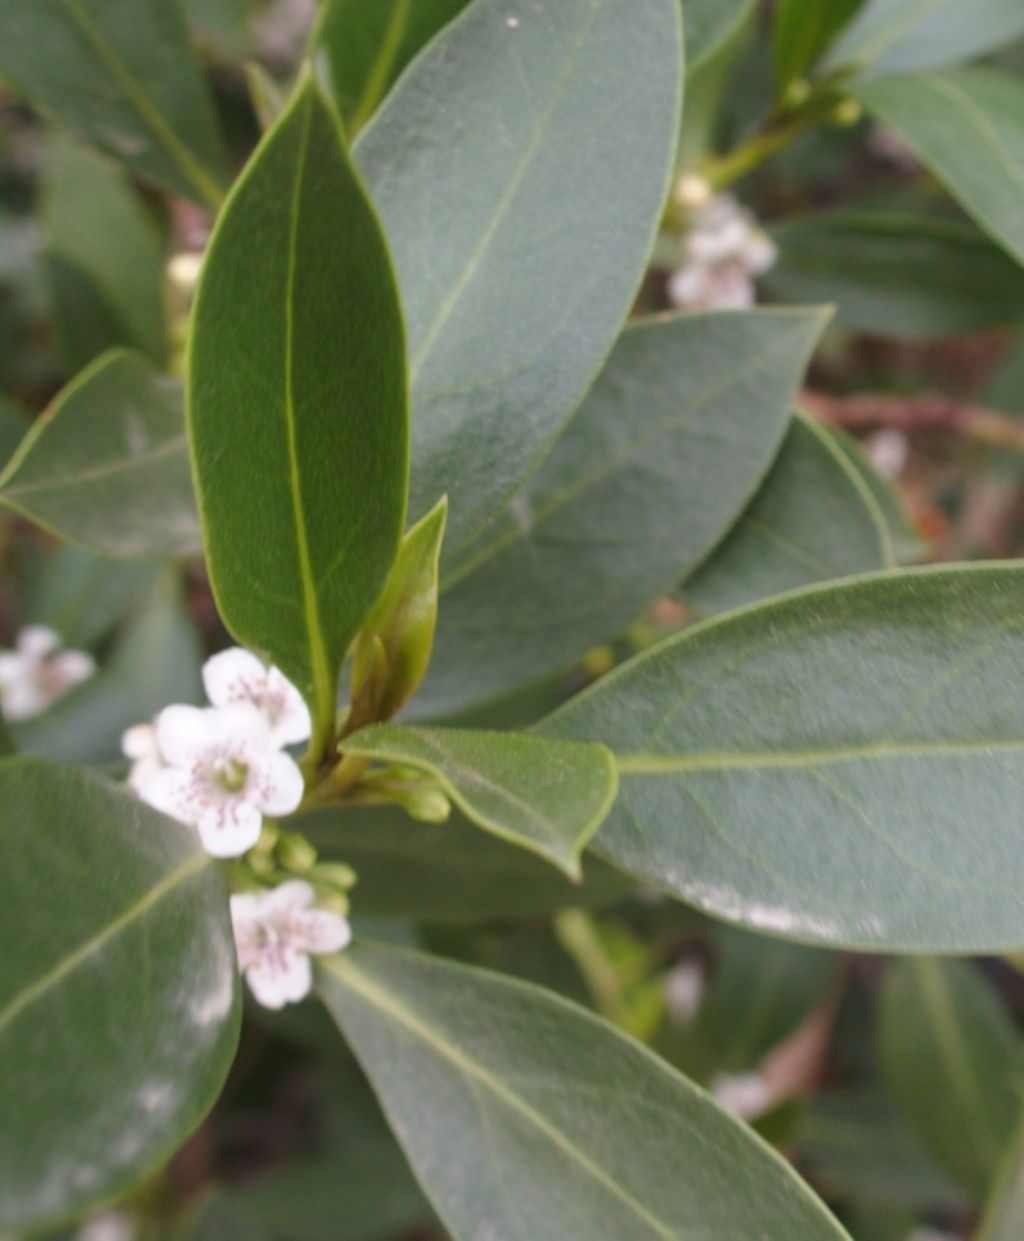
pixel 275 933
pixel 223 774
pixel 684 990
pixel 139 744
pixel 724 250
pixel 236 676
pixel 37 672
pixel 107 1226
pixel 746 1095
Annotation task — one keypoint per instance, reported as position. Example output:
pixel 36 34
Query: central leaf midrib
pixel 682 764
pixel 323 690
pixel 351 976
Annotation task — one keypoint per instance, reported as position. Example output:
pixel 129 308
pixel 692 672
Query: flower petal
pixel 171 791
pixel 182 734
pixel 319 931
pixel 229 828
pixel 38 641
pixel 234 675
pixel 282 977
pixel 278 785
pixel 291 896
pixel 242 728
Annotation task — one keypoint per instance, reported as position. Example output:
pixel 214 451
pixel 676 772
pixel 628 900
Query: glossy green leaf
pixel 105 258
pixel 520 168
pixel 897 273
pixel 525 1116
pixel 813 520
pixel 967 126
pixel 806 767
pixel 393 649
pixel 907 35
pixel 857 1146
pixel 119 1011
pixel 107 466
pixel 549 797
pixel 368 43
pixel 707 24
pixel 1003 1219
pixel 671 443
pixel 951 1056
pixel 905 540
pixel 83 596
pixel 448 872
pixel 156 663
pixel 297 404
pixel 124 76
pixel 802 30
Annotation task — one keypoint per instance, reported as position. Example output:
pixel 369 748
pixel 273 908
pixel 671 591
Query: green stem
pixel 578 935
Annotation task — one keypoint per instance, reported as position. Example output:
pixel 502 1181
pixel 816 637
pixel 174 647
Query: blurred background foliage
pixel 896 1086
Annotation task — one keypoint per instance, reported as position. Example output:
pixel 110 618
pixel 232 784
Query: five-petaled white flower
pixel 224 773
pixel 37 672
pixel 724 250
pixel 275 933
pixel 236 675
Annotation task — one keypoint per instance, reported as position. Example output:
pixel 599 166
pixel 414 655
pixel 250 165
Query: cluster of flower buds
pixel 38 672
pixel 723 251
pixel 220 769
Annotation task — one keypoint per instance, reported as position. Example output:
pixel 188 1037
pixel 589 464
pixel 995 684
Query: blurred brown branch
pixel 927 412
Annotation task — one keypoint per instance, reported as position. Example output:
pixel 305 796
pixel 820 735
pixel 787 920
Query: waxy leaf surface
pixel 297 405
pixel 1003 1219
pixel 520 167
pixel 952 1058
pixel 670 444
pixel 104 257
pixel 107 464
pixel 122 73
pixel 367 46
pixel 807 767
pixel 901 36
pixel 547 797
pixel 897 273
pixel 449 872
pixel 119 1010
pixel 812 520
pixel 525 1116
pixel 967 126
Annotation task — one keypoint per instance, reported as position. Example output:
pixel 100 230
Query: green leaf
pixel 806 767
pixel 905 540
pixel 523 1115
pixel 107 466
pixel 951 1056
pixel 119 1011
pixel 126 80
pixel 448 872
pixel 802 30
pixel 83 596
pixel 156 663
pixel 897 273
pixel 520 168
pixel 858 1146
pixel 967 126
pixel 367 45
pixel 813 520
pixel 1003 1219
pixel 671 443
pixel 546 796
pixel 297 406
pixel 708 24
pixel 105 258
pixel 13 426
pixel 902 36
pixel 394 645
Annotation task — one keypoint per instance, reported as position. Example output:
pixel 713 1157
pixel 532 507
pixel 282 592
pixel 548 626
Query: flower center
pixel 229 774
